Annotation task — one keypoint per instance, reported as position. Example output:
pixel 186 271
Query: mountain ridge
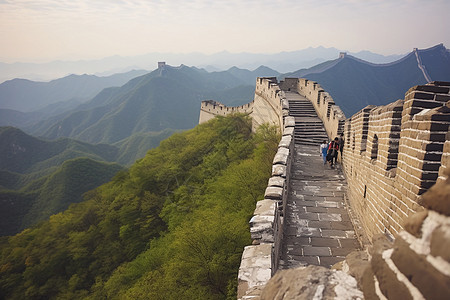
pixel 354 83
pixel 25 95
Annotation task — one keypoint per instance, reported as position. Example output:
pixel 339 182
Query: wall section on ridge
pixel 266 107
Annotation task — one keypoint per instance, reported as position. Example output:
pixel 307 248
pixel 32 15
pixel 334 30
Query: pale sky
pixel 45 30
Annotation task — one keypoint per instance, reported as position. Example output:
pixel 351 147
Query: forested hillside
pixel 173 226
pixel 39 178
pixel 38 197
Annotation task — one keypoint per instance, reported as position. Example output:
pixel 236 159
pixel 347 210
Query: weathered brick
pixel 324 242
pixel 316 251
pixel 433 89
pixel 442 98
pixel 431 283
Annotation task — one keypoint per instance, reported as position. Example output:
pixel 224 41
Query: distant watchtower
pixel 161 64
pixel 342 54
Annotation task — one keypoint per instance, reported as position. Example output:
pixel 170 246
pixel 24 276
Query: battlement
pixel 394 153
pixel 266 107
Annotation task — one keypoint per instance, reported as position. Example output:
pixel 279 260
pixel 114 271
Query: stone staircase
pixel 309 129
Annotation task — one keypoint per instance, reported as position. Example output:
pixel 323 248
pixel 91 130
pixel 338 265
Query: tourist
pixel 333 151
pixel 323 151
pixel 341 145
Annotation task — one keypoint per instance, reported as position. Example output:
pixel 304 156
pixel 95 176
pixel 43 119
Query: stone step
pixel 309 129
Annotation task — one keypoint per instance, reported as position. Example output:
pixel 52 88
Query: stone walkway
pixel 317 228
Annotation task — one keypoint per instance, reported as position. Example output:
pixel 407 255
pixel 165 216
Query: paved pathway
pixel 317 228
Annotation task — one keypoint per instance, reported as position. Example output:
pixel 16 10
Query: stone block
pixel 308 216
pixel 285 142
pixel 316 209
pixel 437 198
pixel 324 242
pixel 288 131
pixel 330 217
pixel 276 181
pixel 330 261
pixel 312 282
pixel 345 225
pixel 349 243
pixel 389 284
pixel 289 122
pixel 342 252
pixel 279 170
pixel 308 232
pixel 442 98
pixel 413 224
pixel 274 192
pixel 440 242
pixel 433 89
pixel 265 208
pixel 262 228
pixel 316 251
pixel 367 285
pixel 431 283
pixel 334 233
pixel 255 268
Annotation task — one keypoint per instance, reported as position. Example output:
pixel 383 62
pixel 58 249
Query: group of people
pixel 329 151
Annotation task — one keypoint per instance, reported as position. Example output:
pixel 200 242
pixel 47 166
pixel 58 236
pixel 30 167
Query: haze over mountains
pixel 25 95
pixel 282 62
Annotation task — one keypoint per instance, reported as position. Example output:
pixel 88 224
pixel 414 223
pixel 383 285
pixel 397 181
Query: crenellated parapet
pixel 266 107
pixel 395 153
pixel 210 108
pixel 260 260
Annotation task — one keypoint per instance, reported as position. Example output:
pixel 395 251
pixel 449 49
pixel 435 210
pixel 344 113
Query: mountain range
pixel 354 83
pixel 283 62
pixel 165 98
pixel 26 95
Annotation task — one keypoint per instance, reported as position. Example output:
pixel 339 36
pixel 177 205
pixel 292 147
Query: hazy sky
pixel 43 30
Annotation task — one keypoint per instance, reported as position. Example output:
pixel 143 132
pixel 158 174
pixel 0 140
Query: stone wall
pixel 260 260
pixel 210 108
pixel 415 266
pixel 330 114
pixel 394 153
pixel 267 107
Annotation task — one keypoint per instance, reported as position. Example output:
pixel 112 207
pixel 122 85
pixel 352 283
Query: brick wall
pixel 395 153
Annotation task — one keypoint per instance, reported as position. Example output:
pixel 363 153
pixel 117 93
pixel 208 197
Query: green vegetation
pixel 42 197
pixel 39 178
pixel 173 226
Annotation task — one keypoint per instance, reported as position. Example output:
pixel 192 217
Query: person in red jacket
pixel 333 149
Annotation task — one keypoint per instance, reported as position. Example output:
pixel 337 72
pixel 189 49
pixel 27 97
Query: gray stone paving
pixel 317 229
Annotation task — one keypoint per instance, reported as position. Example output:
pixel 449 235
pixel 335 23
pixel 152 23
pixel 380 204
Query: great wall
pixel 380 220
